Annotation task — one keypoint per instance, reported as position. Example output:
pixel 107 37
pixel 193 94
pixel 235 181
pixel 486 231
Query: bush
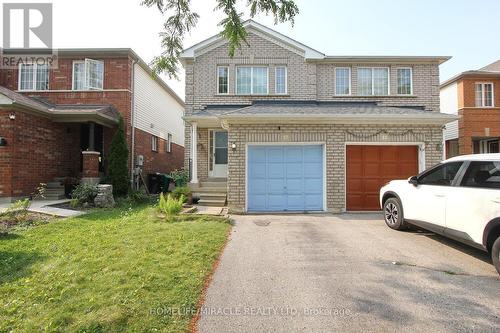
pixel 84 194
pixel 169 205
pixel 180 177
pixel 118 162
pixel 138 197
pixel 181 191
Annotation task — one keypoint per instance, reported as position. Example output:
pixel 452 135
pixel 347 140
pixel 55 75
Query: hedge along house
pixel 282 127
pixel 58 123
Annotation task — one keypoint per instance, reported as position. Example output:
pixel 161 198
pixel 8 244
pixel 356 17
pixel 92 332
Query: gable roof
pixel 307 52
pixel 489 71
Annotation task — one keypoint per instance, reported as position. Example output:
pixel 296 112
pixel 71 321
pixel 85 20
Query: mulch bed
pixel 8 221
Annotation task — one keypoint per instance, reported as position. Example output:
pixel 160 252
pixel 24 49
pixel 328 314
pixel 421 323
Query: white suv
pixel 458 198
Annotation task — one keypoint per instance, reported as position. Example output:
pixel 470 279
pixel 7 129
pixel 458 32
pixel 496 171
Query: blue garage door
pixel 285 178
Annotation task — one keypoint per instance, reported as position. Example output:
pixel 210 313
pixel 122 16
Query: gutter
pixel 132 121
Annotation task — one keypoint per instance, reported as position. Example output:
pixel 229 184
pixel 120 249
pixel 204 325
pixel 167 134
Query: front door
pixel 219 153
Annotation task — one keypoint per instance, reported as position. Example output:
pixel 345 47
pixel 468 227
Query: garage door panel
pixel 287 178
pixel 369 167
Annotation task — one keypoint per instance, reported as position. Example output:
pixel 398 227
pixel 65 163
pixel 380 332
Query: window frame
pixel 411 81
pixel 483 83
pixel 154 143
pixel 251 80
pixel 86 87
pixel 350 81
pixel 466 168
pixel 217 76
pixel 34 78
pixel 373 78
pixel 168 145
pixel 454 182
pixel 276 81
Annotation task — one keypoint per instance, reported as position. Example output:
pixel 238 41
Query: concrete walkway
pixel 44 207
pixel 347 273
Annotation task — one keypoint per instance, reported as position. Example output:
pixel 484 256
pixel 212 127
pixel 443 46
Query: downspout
pixel 132 123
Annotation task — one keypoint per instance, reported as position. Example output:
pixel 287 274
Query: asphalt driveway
pixel 347 273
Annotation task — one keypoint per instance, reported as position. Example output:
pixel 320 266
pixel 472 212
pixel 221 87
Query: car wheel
pixel 495 254
pixel 393 214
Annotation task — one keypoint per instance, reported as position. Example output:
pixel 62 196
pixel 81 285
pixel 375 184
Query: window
pixel 281 80
pixel 484 94
pixel 222 80
pixel 168 146
pixel 154 143
pixel 442 175
pixel 342 81
pixel 373 81
pixel 482 174
pixel 404 76
pixel 33 77
pixel 251 80
pixel 88 75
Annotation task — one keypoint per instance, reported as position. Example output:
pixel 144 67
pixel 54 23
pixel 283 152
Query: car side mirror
pixel 413 180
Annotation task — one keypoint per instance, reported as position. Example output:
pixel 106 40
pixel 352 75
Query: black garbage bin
pixel 154 182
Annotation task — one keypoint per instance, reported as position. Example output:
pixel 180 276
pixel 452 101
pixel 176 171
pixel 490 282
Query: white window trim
pixel 373 85
pixel 251 80
pixel 154 143
pixel 35 69
pixel 86 88
pixel 411 81
pixel 217 75
pixel 169 143
pixel 350 81
pixel 276 81
pixel 482 95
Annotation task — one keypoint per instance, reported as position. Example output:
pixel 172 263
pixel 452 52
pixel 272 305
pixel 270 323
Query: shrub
pixel 169 205
pixel 180 177
pixel 83 193
pixel 118 162
pixel 138 197
pixel 181 191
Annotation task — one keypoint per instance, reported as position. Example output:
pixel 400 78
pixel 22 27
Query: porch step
pixel 214 184
pixel 212 203
pixel 54 185
pixel 54 190
pixel 212 196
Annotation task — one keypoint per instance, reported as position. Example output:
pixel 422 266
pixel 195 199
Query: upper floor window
pixel 373 81
pixel 88 75
pixel 404 77
pixel 484 94
pixel 342 81
pixel 281 80
pixel 251 80
pixel 154 143
pixel 33 77
pixel 222 79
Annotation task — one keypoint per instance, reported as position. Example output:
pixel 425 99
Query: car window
pixel 441 175
pixel 482 174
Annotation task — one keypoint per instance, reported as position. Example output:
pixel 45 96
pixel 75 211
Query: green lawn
pixel 108 271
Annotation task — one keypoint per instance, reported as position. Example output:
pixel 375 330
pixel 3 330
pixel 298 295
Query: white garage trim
pixel 323 144
pixel 421 157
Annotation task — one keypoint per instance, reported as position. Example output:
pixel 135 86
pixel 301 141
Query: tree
pixel 181 20
pixel 118 162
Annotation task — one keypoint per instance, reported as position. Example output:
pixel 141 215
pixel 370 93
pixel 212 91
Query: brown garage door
pixel 368 168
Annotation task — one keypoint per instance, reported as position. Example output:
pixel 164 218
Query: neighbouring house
pixel 282 127
pixel 58 122
pixel 475 96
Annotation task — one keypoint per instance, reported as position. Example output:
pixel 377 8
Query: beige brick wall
pixel 306 81
pixel 335 138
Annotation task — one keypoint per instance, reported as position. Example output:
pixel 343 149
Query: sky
pixel 467 30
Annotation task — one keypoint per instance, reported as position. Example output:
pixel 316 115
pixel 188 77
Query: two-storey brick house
pixel 58 122
pixel 475 97
pixel 282 127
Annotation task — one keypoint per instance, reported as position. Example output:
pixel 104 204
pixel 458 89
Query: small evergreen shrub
pixel 118 175
pixel 181 191
pixel 180 177
pixel 83 194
